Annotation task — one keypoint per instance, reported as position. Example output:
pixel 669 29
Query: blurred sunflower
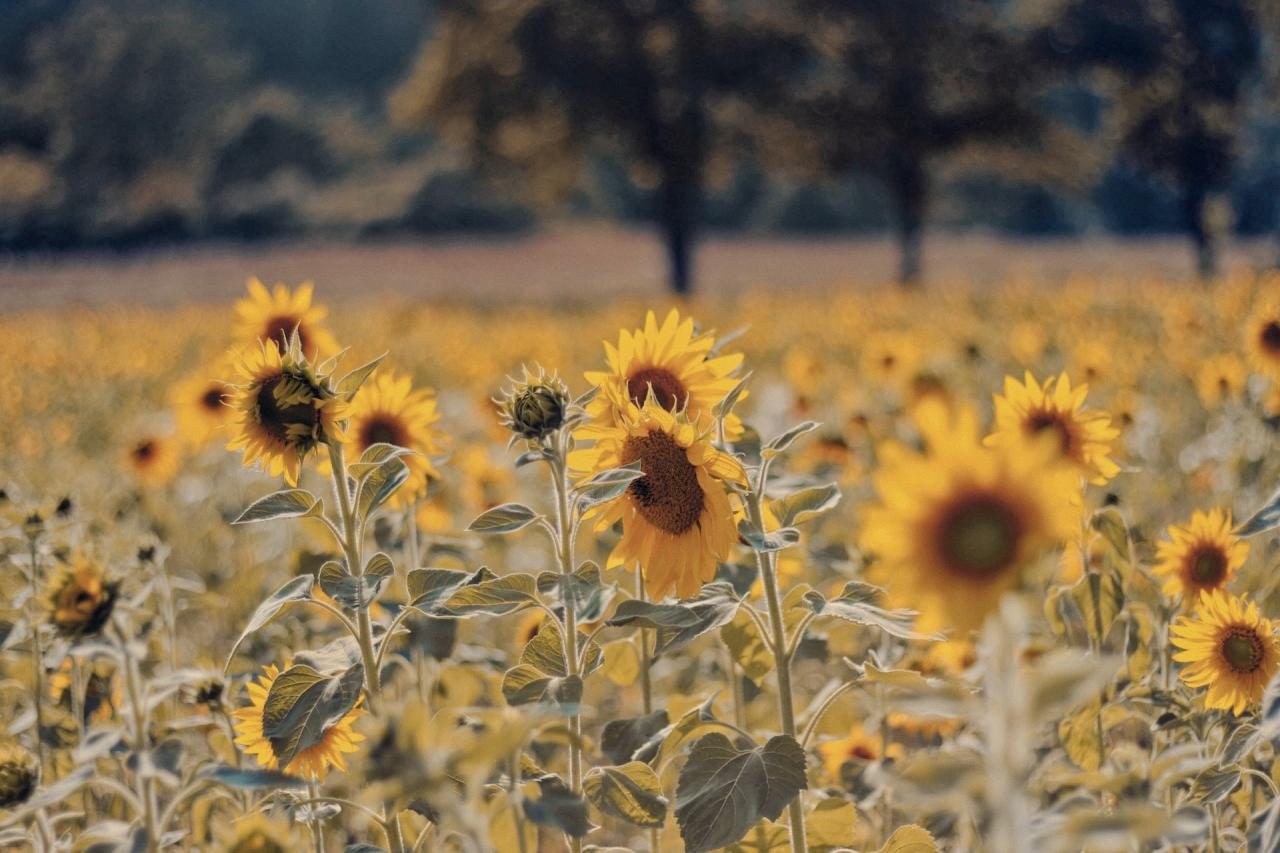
pixel 284 410
pixel 858 745
pixel 200 405
pixel 891 358
pixel 1084 437
pixel 673 361
pixel 1200 555
pixel 389 410
pixel 79 598
pixel 258 834
pixel 956 526
pixel 153 459
pixel 310 763
pixel 1262 337
pixel 272 316
pixel 19 773
pixel 1229 648
pixel 677 522
pixel 1220 378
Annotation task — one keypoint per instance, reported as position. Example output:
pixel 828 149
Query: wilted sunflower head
pixel 19 773
pixel 285 409
pixel 1229 648
pixel 1202 554
pixel 274 316
pixel 535 406
pixel 79 598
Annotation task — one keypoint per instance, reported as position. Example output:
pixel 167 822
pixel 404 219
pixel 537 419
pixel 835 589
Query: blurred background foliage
pixel 127 123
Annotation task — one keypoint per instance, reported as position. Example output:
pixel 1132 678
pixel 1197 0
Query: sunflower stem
pixel 137 710
pixel 565 541
pixel 646 685
pixel 37 649
pixel 777 625
pixel 317 832
pixel 350 543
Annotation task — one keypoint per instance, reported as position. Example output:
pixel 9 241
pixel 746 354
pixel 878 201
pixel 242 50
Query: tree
pixel 540 88
pixel 897 86
pixel 1177 72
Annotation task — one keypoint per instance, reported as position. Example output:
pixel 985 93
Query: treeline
pixel 134 121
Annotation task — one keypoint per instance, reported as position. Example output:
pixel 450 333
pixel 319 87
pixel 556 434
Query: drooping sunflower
pixel 677 522
pixel 1084 436
pixel 152 459
pixel 676 363
pixel 1262 337
pixel 1202 554
pixel 388 409
pixel 284 410
pixel 79 598
pixel 201 408
pixel 272 316
pixel 1229 648
pixel 19 773
pixel 956 526
pixel 314 761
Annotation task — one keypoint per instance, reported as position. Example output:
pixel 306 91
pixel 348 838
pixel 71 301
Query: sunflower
pixel 310 763
pixel 956 526
pixel 1084 437
pixel 859 745
pixel 285 410
pixel 200 405
pixel 273 316
pixel 1229 648
pixel 152 458
pixel 676 364
pixel 1220 378
pixel 891 358
pixel 79 598
pixel 677 523
pixel 258 834
pixel 389 410
pixel 1262 337
pixel 19 773
pixel 1201 555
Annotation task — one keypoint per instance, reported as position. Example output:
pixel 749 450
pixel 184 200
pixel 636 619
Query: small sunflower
pixel 1221 378
pixel 310 763
pixel 19 773
pixel 79 598
pixel 388 409
pixel 284 409
pixel 1084 437
pixel 1229 648
pixel 153 459
pixel 956 526
pixel 1200 555
pixel 859 745
pixel 674 362
pixel 201 407
pixel 273 316
pixel 891 359
pixel 677 523
pixel 1262 337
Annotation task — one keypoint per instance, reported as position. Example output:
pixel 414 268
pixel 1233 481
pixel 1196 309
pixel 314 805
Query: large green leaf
pixel 526 685
pixel 505 518
pixel 303 705
pixel 725 788
pixel 286 503
pixel 631 791
pixel 855 604
pixel 504 594
pixel 715 606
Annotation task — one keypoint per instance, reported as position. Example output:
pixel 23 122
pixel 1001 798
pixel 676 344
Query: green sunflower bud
pixel 536 406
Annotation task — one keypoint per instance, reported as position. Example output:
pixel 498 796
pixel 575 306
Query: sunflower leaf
pixel 620 740
pixel 249 779
pixel 505 594
pixel 356 593
pixel 428 587
pixel 303 705
pixel 716 605
pixel 558 807
pixel 631 792
pixel 350 384
pixel 799 507
pixel 373 457
pixel 286 503
pixel 854 605
pixel 780 443
pixel 525 685
pixel 775 540
pixel 504 518
pixel 379 485
pixel 648 614
pixel 725 789
pixel 910 839
pixel 1100 598
pixel 608 485
pixel 725 407
pixel 1266 518
pixel 298 589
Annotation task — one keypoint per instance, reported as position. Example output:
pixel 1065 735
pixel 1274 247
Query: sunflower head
pixel 1220 378
pixel 201 405
pixel 1229 648
pixel 956 525
pixel 1031 409
pixel 79 598
pixel 389 410
pixel 327 746
pixel 859 746
pixel 153 459
pixel 284 409
pixel 275 316
pixel 1203 554
pixel 19 773
pixel 674 363
pixel 1262 337
pixel 536 406
pixel 677 522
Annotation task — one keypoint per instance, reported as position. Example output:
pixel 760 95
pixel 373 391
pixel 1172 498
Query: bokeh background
pixel 582 146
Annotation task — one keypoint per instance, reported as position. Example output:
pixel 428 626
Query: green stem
pixel 37 651
pixel 646 687
pixel 395 836
pixel 145 792
pixel 351 548
pixel 565 543
pixel 317 832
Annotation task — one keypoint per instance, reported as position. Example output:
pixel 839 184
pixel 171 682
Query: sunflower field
pixel 967 568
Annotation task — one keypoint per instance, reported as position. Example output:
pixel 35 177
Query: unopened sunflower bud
pixel 536 406
pixel 19 773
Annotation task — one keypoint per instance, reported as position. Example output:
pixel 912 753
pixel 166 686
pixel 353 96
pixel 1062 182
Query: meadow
pixel 979 566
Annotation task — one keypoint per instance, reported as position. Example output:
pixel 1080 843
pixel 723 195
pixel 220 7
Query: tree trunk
pixel 1204 237
pixel 678 215
pixel 911 192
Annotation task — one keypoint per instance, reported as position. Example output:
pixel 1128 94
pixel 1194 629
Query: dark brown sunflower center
pixel 861 750
pixel 381 429
pixel 277 419
pixel 1270 337
pixel 144 451
pixel 1040 421
pixel 1242 650
pixel 214 399
pixel 278 329
pixel 978 537
pixel 1207 566
pixel 668 495
pixel 668 390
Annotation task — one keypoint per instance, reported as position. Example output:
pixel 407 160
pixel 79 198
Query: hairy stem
pixel 564 547
pixel 351 548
